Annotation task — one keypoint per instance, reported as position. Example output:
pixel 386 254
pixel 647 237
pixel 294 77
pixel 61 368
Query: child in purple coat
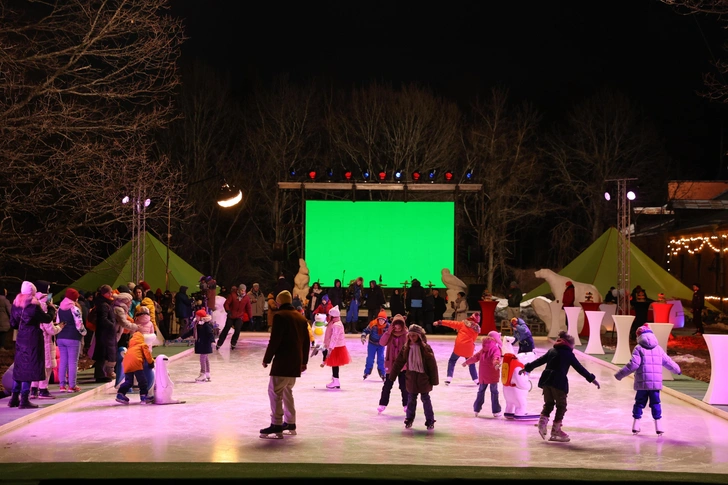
pixel 647 362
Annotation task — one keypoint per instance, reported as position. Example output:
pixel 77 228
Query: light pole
pixel 624 251
pixel 139 204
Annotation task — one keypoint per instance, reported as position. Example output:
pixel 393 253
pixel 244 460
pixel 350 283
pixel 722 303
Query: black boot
pixel 14 400
pixel 33 392
pixel 25 402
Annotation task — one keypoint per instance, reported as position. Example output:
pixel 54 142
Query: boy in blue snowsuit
pixel 375 330
pixel 523 336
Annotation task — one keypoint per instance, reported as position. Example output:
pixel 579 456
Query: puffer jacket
pixel 137 353
pixel 647 362
pixel 149 303
pixel 523 337
pixel 489 357
pixel 334 336
pixel 374 330
pixel 465 341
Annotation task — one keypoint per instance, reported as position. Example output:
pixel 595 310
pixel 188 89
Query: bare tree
pixel 500 142
pixel 83 86
pixel 604 137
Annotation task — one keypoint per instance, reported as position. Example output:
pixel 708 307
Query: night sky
pixel 550 53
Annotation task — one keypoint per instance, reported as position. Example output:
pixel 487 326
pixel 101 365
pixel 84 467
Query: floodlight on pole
pixel 229 196
pixel 125 200
pixel 631 195
pixel 607 196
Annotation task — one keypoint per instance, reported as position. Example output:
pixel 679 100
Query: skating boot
pixel 448 380
pixel 476 414
pixel 380 409
pixel 207 377
pixel 334 384
pixel 430 425
pixel 289 428
pixel 25 403
pixel 543 424
pixel 404 409
pixel 658 426
pixel 365 376
pixel 200 378
pixel 120 398
pixel 497 415
pixel 636 426
pixel 14 400
pixel 407 424
pixel 557 434
pixel 381 374
pixel 274 431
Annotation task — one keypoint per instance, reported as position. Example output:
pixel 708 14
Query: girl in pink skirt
pixel 335 343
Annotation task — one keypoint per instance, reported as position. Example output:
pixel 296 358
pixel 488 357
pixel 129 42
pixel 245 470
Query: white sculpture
pixel 219 315
pixel 301 280
pixel 558 286
pixel 453 284
pixel 163 385
pixel 516 387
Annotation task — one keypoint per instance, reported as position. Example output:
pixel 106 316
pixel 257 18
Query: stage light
pixel 229 195
pixel 398 175
pixel 416 175
pixel 631 195
pixel 365 175
pixel 382 175
pixel 329 174
pixel 607 196
pixel 432 174
pixel 448 175
pixel 147 202
pixel 312 174
pixel 347 175
pixel 292 172
pixel 469 174
pixel 125 200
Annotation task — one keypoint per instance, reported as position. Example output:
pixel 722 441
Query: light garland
pixel 695 244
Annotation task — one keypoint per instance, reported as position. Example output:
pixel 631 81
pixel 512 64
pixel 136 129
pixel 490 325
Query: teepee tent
pixel 597 265
pixel 116 269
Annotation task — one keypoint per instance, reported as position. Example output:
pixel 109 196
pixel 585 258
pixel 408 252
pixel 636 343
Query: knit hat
pixel 496 336
pixel 382 314
pixel 414 328
pixel 334 312
pixel 643 329
pixel 569 283
pixel 145 285
pixel 141 310
pixel 242 288
pixel 72 294
pixel 399 319
pixel 124 289
pixel 42 286
pixel 201 313
pixel 325 298
pixel 475 317
pixel 284 297
pixel 28 288
pixel 123 299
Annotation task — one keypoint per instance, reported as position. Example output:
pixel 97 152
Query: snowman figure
pixel 319 330
pixel 515 388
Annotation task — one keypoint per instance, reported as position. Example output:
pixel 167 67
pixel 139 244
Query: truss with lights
pixel 398 176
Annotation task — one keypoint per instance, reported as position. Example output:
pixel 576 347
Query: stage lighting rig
pixel 312 174
pixel 469 175
pixel 398 175
pixel 382 175
pixel 448 176
pixel 366 175
pixel 348 175
pixel 416 176
pixel 432 175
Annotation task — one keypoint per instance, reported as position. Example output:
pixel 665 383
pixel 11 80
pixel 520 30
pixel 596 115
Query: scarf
pixel 414 359
pixel 565 343
pixel 379 327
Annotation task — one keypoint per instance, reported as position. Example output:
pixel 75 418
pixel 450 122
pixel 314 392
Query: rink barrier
pixel 65 403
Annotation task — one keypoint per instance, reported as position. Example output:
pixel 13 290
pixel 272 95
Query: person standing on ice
pixel 647 362
pixel 464 344
pixel 336 353
pixel 522 335
pixel 393 341
pixel 288 350
pixel 374 331
pixel 555 384
pixel 489 364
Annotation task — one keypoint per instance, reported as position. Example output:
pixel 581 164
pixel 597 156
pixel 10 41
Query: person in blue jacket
pixel 375 330
pixel 522 335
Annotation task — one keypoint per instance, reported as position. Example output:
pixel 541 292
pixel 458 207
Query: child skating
pixel 421 374
pixel 336 353
pixel 393 341
pixel 555 383
pixel 468 331
pixel 522 335
pixel 489 359
pixel 133 364
pixel 204 337
pixel 375 330
pixel 647 362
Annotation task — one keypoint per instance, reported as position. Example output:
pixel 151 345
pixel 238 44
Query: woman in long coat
pixel 104 355
pixel 26 316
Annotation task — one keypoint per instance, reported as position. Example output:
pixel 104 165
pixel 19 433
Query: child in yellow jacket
pixel 133 364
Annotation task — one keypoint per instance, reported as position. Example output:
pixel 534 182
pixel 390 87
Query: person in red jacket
pixel 464 344
pixel 569 295
pixel 239 310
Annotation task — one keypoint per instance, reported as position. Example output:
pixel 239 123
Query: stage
pixel 340 434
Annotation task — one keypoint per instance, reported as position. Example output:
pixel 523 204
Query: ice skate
pixel 509 415
pixel 476 414
pixel 14 400
pixel 407 424
pixel 274 432
pixel 557 434
pixel 430 426
pixel 658 427
pixel 120 398
pixel 334 384
pixel 200 378
pixel 497 415
pixel 475 381
pixel 448 380
pixel 365 376
pixel 382 375
pixel 543 423
pixel 289 429
pixel 25 402
pixel 207 377
pixel 636 426
pixel 380 409
pixel 404 409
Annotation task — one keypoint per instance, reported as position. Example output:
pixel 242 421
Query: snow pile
pixel 689 359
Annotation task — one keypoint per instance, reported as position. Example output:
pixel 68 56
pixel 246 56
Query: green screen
pixel 397 240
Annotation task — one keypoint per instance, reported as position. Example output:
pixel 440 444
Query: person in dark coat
pixel 428 311
pixel 641 304
pixel 610 296
pixel 555 384
pixel 375 300
pixel 288 350
pixel 104 355
pixel 396 305
pixel 440 305
pixel 282 284
pixel 204 337
pixel 26 316
pixel 5 307
pixel 414 301
pixel 697 305
pixel 182 309
pixel 336 294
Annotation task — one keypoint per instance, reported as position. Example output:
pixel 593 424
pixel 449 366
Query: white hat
pixel 28 288
pixel 334 312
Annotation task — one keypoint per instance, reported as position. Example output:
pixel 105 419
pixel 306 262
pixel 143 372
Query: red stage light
pixel 416 175
pixel 347 175
pixel 382 175
pixel 312 174
pixel 448 175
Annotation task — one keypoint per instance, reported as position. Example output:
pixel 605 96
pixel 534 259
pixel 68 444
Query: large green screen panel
pixel 397 240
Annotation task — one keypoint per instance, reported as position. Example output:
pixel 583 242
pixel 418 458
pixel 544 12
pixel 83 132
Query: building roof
pixel 696 189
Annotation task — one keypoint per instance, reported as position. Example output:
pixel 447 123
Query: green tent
pixel 597 265
pixel 116 269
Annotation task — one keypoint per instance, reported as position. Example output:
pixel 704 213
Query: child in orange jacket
pixel 134 359
pixel 464 344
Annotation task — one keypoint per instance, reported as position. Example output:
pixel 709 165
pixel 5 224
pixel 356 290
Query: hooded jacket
pixel 26 315
pixel 143 322
pixel 417 382
pixel 489 357
pixel 136 354
pixel 393 343
pixel 647 362
pixel 523 336
pixel 149 304
pixel 467 333
pixel 375 330
pixel 558 360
